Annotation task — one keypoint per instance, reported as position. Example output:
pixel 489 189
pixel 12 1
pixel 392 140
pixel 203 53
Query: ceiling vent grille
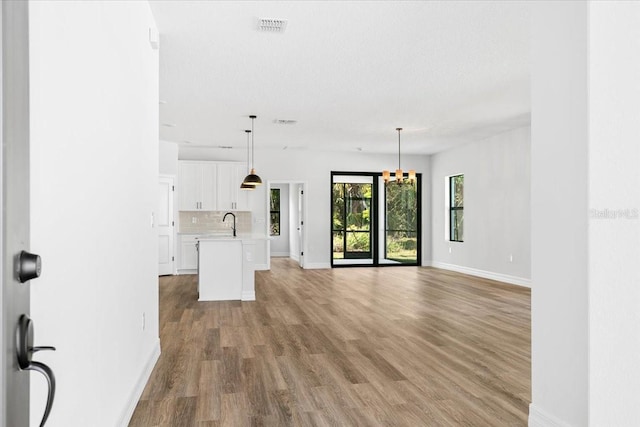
pixel 272 25
pixel 285 122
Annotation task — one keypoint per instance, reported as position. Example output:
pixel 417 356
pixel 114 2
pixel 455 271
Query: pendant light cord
pixel 248 142
pixel 253 144
pixel 398 129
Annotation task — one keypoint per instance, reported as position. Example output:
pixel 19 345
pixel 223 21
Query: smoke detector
pixel 270 25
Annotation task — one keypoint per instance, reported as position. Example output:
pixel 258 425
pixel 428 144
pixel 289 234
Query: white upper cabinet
pixel 197 186
pixel 211 186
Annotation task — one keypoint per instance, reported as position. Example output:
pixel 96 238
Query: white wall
pixel 168 158
pixel 280 244
pixel 614 242
pixel 559 189
pixel 314 168
pixel 94 165
pixel 496 207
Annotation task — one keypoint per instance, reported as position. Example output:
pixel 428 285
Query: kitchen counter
pixel 226 267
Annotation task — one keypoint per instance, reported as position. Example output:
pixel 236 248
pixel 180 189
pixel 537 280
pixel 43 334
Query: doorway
pixel 373 222
pixel 286 213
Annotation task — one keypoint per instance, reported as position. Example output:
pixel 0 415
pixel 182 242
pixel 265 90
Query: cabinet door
pixel 208 187
pixel 188 255
pixel 189 186
pixel 224 185
pixel 242 196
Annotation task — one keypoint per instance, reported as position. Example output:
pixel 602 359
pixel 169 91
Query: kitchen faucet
pixel 234 221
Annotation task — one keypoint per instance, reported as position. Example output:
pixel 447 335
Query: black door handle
pixel 25 350
pixel 29 266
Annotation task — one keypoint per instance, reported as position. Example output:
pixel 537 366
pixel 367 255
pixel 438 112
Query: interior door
pixel 301 224
pixel 165 223
pixel 14 227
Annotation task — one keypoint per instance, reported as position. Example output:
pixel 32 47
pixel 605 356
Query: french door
pixel 373 222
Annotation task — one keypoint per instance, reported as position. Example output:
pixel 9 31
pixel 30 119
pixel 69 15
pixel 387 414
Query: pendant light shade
pixel 245 185
pixel 252 179
pixel 399 175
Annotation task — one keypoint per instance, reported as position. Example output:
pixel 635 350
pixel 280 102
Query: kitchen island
pixel 226 267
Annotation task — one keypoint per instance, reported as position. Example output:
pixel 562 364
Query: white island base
pixel 226 268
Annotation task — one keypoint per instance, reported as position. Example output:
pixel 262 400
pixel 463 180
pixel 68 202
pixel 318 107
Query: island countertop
pixel 204 237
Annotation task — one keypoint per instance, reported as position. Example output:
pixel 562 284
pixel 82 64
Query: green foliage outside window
pixel 456 208
pixel 351 218
pixel 402 222
pixel 274 203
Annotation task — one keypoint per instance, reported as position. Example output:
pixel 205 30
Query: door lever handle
pixel 25 350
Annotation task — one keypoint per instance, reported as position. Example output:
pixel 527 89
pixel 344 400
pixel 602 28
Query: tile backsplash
pixel 211 222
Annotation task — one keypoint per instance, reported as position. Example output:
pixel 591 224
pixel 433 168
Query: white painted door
pixel 17 267
pixel 301 224
pixel 165 223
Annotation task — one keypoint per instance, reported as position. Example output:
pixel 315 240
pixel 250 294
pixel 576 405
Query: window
pixel 456 208
pixel 275 211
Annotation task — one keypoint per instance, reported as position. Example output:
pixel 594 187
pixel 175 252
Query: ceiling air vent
pixel 285 122
pixel 272 25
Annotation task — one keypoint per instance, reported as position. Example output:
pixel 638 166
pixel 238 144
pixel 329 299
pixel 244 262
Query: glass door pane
pixel 351 220
pixel 401 223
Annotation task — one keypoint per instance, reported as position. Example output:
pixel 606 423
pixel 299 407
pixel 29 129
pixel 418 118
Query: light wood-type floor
pixel 394 346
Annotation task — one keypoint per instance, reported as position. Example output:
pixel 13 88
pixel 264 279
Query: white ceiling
pixel 348 72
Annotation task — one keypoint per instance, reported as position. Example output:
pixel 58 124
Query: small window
pixel 275 211
pixel 456 208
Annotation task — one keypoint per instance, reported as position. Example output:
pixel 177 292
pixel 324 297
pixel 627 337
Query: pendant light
pixel 244 185
pixel 252 178
pixel 399 175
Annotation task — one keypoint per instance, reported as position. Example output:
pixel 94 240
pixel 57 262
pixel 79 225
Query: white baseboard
pixel 316 265
pixel 140 384
pixel 261 267
pixel 295 257
pixel 280 254
pixel 520 281
pixel 248 296
pixel 540 418
pixel 181 272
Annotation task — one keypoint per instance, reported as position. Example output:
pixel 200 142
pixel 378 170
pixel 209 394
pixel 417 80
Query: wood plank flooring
pixel 403 346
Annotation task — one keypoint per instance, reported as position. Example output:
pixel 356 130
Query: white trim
pixel 428 263
pixel 280 254
pixel 140 384
pixel 316 265
pixel 248 296
pixel 514 280
pixel 540 418
pixel 261 267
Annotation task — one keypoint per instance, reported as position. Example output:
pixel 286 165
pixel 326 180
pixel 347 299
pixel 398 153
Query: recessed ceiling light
pixel 225 147
pixel 169 125
pixel 186 142
pixel 162 101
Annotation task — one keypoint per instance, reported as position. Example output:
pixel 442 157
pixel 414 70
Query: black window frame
pixel 453 210
pixel 377 240
pixel 276 212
